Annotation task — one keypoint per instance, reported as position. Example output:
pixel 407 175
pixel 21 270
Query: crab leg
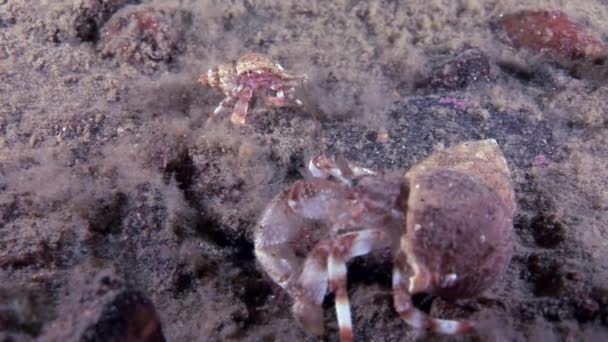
pixel 290 94
pixel 278 101
pixel 414 317
pixel 279 229
pixel 345 247
pixel 310 289
pixel 242 105
pixel 223 104
pixel 282 93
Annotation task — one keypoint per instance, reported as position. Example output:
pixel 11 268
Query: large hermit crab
pixel 250 75
pixel 448 223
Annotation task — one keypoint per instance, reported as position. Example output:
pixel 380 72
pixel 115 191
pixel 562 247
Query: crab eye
pixel 316 169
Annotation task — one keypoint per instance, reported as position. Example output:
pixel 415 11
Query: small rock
pixel 586 309
pixel 546 276
pixel 142 35
pixel 548 231
pixel 108 309
pixel 107 213
pixel 22 309
pixel 460 71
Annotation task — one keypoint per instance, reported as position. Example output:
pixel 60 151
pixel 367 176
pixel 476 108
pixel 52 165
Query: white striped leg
pixel 225 103
pixel 278 100
pixel 291 96
pixel 345 247
pixel 282 95
pixel 241 107
pixel 416 318
pixel 218 110
pixel 275 101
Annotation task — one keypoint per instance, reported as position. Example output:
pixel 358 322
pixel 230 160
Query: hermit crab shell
pixel 222 76
pixel 459 220
pixel 256 63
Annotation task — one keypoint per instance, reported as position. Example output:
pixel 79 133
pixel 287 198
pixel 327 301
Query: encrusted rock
pixel 464 69
pixel 551 32
pixel 108 309
pixel 142 35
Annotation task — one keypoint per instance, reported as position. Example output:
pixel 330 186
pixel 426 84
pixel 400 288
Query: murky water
pixel 116 193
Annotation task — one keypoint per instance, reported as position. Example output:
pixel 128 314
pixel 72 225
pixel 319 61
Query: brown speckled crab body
pixel 448 223
pixel 252 74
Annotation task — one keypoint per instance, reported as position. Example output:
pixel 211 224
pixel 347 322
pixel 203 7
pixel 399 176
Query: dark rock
pixel 108 309
pixel 547 231
pixel 182 168
pixel 600 295
pixel 466 68
pixel 92 14
pixel 22 309
pixel 546 276
pixel 107 214
pixel 586 309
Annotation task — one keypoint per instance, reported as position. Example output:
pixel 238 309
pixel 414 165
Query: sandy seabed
pixel 125 217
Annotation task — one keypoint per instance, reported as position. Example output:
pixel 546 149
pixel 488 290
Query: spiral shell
pixel 459 220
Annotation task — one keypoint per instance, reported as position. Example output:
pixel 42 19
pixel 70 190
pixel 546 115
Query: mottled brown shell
pixel 256 63
pixel 223 77
pixel 459 220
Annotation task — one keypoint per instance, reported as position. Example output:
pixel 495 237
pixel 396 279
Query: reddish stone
pixel 554 34
pixel 141 34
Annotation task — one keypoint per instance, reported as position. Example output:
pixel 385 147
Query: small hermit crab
pixel 252 74
pixel 448 223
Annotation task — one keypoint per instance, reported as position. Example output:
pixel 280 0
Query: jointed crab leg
pixel 218 110
pixel 282 94
pixel 240 110
pixel 337 282
pixel 344 248
pixel 278 101
pixel 410 314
